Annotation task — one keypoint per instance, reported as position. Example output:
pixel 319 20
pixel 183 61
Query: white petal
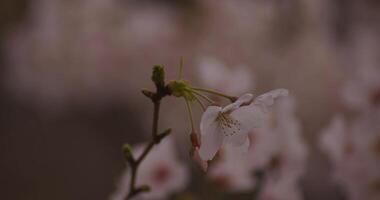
pixel 249 117
pixel 246 98
pixel 267 99
pixel 237 139
pixel 211 137
pixel 242 146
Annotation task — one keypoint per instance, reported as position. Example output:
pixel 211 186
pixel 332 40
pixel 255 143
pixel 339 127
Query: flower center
pixel 228 125
pixel 275 162
pixel 161 174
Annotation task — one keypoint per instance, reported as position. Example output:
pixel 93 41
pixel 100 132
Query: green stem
pixel 200 103
pixel 190 115
pixel 203 96
pixel 231 98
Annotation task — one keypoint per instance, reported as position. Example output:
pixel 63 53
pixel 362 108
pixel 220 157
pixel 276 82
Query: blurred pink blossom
pixel 213 73
pixel 161 170
pixel 279 148
pixel 362 92
pixel 353 148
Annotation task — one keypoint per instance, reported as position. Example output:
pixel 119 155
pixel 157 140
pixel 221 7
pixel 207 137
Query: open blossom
pixel 161 170
pixel 277 148
pixel 354 152
pixel 363 91
pixel 215 74
pixel 232 123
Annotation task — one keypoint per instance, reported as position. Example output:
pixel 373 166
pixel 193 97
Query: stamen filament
pixel 231 98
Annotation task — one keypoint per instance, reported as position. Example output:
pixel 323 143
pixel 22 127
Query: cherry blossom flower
pixel 161 170
pixel 281 189
pixel 278 148
pixel 278 143
pixel 363 91
pixel 354 152
pixel 232 123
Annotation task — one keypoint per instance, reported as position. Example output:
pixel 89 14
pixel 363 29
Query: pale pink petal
pixel 244 99
pixel 211 137
pixel 267 99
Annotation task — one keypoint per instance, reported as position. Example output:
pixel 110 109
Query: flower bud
pixel 194 138
pixel 127 151
pixel 143 188
pixel 158 75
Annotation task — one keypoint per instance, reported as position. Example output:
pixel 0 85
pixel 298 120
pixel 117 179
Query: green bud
pixel 145 188
pixel 127 151
pixel 181 88
pixel 147 93
pixel 158 75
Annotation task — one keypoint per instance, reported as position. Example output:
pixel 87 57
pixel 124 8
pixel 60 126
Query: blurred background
pixel 71 74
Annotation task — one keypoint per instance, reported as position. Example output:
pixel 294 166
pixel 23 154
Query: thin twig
pixel 156 138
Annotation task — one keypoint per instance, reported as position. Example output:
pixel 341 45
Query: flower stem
pixel 200 103
pixel 203 96
pixel 190 115
pixel 231 98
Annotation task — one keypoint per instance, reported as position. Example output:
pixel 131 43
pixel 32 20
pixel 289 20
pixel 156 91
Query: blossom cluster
pixel 250 144
pixel 352 142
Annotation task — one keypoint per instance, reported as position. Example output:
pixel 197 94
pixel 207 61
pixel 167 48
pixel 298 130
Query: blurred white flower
pixel 232 123
pixel 214 74
pixel 197 158
pixel 279 149
pixel 363 91
pixel 335 138
pixel 232 172
pixel 282 189
pixel 354 152
pixel 161 170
